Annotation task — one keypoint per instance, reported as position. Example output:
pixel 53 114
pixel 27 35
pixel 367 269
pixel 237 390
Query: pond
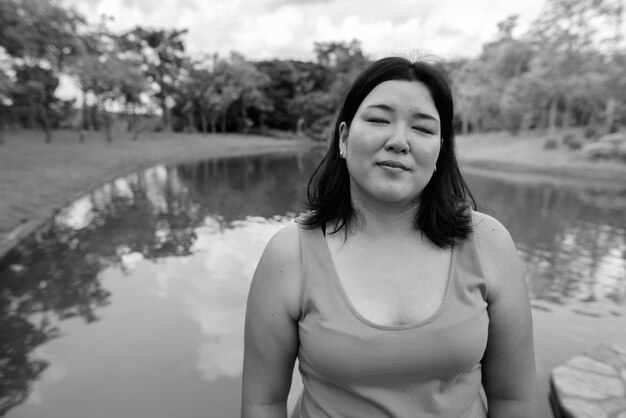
pixel 131 301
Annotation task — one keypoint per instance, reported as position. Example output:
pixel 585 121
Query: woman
pixel 398 299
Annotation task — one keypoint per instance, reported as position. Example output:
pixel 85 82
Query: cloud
pixel 265 29
pixel 216 287
pixel 275 4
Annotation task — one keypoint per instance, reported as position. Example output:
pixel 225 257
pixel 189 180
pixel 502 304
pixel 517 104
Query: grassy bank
pixel 526 154
pixel 36 179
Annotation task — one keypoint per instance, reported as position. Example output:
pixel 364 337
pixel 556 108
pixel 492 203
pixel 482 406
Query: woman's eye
pixel 377 120
pixel 424 130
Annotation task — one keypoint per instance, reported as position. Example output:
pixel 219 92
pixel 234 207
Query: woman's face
pixel 392 145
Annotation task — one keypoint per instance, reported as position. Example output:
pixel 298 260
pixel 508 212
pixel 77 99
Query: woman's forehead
pixel 401 95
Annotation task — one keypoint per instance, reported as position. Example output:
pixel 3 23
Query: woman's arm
pixel 271 330
pixel 509 376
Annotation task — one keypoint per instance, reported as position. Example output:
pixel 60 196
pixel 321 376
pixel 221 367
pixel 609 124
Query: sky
pixel 287 29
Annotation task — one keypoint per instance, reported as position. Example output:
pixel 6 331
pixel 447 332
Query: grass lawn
pixel 36 179
pixel 526 154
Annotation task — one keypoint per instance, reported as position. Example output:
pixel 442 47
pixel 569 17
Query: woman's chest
pixel 393 286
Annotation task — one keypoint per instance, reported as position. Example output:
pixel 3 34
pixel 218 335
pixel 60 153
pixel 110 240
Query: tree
pixel 565 38
pixel 33 94
pixel 247 82
pixel 162 55
pixel 480 83
pixel 109 77
pixel 6 86
pixel 211 86
pixel 320 87
pixel 343 61
pixel 295 90
pixel 39 35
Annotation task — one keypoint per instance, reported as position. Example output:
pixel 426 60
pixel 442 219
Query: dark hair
pixel 443 213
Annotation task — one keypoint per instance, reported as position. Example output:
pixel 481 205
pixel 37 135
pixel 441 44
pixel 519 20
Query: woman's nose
pixel 398 142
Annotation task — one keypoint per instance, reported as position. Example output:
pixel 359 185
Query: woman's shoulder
pixel 489 231
pixel 284 246
pixel 278 274
pixel 498 254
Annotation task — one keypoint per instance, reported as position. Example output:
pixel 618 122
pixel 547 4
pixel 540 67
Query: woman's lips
pixel 393 164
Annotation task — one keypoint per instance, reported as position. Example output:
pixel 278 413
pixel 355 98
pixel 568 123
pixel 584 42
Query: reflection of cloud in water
pixel 77 215
pixel 219 275
pixel 153 180
pixel 55 372
pixel 130 261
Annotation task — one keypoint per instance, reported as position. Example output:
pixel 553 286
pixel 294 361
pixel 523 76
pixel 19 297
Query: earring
pixel 341 154
pixel 435 170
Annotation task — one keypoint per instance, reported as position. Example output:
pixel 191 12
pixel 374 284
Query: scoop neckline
pixel 372 324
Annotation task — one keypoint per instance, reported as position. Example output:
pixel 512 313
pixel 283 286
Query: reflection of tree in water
pixel 148 213
pixel 50 274
pixel 250 186
pixel 572 241
pixel 54 274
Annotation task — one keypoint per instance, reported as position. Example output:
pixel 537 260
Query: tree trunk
pixel 46 123
pixel 566 119
pixel 32 122
pixel 465 123
pixel 224 122
pixel 244 115
pixel 213 124
pixel 262 125
pixel 85 120
pixel 95 122
pixel 129 117
pixel 79 122
pixel 191 122
pixel 552 120
pixel 165 117
pixel 203 121
pixel 107 123
pixel 475 124
pixel 1 128
pixel 609 115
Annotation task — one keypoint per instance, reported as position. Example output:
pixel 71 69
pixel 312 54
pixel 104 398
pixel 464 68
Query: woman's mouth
pixel 393 164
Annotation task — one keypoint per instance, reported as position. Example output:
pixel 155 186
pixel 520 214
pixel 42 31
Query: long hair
pixel 442 214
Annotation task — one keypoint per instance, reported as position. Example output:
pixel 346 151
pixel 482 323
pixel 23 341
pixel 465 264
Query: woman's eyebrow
pixel 416 115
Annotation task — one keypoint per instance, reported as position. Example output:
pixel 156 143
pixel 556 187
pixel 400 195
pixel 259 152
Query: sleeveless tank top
pixel 352 367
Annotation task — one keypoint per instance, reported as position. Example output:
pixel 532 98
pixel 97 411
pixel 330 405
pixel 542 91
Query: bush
pixel 550 143
pixel 577 144
pixel 567 138
pixel 571 141
pixel 608 146
pixel 591 132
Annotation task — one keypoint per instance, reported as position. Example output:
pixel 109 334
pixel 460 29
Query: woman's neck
pixel 383 220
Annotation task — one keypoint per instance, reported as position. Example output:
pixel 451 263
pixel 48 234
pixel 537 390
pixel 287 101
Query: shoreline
pixel 37 179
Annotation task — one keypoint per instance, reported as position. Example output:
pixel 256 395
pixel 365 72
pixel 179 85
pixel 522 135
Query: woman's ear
pixel 343 137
